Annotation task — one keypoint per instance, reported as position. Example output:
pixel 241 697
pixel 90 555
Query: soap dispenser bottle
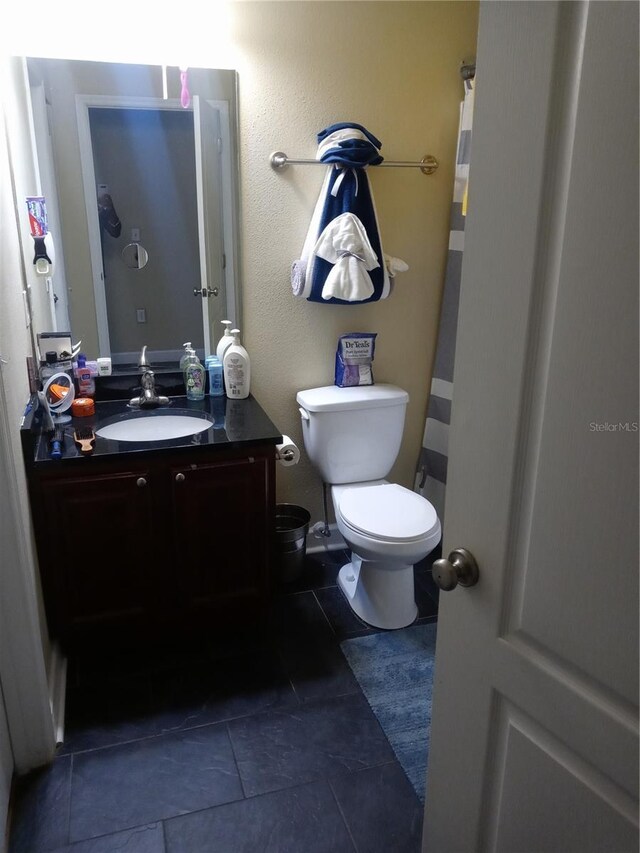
pixel 194 376
pixel 237 369
pixel 225 341
pixel 185 355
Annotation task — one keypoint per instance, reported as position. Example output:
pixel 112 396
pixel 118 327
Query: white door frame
pixel 22 664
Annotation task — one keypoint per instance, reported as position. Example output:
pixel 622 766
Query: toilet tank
pixel 353 435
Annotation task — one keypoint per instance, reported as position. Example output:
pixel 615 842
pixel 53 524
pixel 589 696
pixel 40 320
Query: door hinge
pixel 224 261
pixel 219 141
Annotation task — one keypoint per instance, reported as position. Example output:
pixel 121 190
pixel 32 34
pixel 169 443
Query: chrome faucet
pixel 149 398
pixel 142 362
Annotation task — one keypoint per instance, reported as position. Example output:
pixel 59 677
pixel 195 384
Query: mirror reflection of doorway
pixel 144 160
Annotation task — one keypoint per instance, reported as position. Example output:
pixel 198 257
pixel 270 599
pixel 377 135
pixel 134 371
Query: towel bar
pixel 427 165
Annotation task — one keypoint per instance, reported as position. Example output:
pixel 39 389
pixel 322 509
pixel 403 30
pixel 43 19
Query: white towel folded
pixel 344 243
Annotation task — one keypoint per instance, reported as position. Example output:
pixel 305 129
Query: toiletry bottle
pixel 49 367
pixel 84 379
pixel 237 369
pixel 225 341
pixel 214 369
pixel 185 355
pixel 194 379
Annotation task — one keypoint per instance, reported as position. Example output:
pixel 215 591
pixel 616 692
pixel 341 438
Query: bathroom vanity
pixel 142 538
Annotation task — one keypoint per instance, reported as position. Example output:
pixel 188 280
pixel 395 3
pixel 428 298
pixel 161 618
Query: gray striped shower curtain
pixel 431 475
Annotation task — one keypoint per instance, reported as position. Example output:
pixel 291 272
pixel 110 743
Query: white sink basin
pixel 154 428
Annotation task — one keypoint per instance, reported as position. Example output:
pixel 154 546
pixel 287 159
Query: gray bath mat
pixel 395 671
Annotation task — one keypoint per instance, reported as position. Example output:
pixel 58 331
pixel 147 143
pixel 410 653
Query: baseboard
pixel 57 690
pixel 317 543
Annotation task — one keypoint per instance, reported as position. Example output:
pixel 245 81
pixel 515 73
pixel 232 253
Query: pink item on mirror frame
pixel 185 97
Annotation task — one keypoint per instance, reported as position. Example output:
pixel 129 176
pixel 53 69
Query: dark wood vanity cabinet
pixel 91 537
pixel 149 547
pixel 220 529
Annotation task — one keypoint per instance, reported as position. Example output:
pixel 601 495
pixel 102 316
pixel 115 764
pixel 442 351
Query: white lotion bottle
pixel 225 341
pixel 237 369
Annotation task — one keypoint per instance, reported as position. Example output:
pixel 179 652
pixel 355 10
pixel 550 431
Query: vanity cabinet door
pixel 223 517
pixel 96 547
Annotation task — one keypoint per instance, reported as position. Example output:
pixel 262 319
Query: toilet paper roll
pixel 287 453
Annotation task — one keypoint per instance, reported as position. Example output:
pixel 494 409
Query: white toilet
pixel 352 436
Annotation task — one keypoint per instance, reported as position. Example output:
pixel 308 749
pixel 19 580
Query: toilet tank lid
pixel 331 398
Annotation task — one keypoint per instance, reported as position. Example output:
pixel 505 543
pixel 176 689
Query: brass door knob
pixel 460 569
pixel 141 482
pixel 179 478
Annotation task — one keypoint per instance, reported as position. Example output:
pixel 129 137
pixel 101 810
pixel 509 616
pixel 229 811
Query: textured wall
pixel 393 67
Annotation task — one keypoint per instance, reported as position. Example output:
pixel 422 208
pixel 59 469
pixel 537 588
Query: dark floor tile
pixel 381 809
pixel 279 750
pixel 320 570
pixel 186 697
pixel 125 786
pixel 141 839
pixel 299 616
pixel 303 819
pixel 40 819
pixel 338 611
pixel 111 712
pixel 309 649
pixel 317 670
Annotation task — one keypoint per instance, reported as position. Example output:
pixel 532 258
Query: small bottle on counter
pixel 214 369
pixel 225 341
pixel 237 369
pixel 84 377
pixel 49 367
pixel 194 378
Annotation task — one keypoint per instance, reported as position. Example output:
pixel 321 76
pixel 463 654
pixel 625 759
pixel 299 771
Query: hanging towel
pixel 344 243
pixel 349 148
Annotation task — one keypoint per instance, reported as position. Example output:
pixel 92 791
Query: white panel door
pixel 535 718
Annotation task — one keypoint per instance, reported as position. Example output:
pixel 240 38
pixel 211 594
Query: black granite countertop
pixel 233 424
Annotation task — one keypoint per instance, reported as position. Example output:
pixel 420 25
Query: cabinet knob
pixel 141 482
pixel 179 478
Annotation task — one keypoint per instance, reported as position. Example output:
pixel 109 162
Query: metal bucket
pixel 292 526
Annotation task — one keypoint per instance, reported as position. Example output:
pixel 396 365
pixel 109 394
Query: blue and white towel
pixel 342 260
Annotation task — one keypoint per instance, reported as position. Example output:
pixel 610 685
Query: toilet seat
pixel 387 512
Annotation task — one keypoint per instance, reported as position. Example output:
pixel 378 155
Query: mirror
pixel 59 392
pixel 142 202
pixel 135 256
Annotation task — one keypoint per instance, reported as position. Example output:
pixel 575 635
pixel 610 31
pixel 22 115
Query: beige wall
pixel 393 67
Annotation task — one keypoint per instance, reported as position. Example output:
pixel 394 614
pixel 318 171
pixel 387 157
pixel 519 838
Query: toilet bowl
pixel 388 529
pixel 353 436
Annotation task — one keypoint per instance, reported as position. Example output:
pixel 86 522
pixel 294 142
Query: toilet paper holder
pixel 287 453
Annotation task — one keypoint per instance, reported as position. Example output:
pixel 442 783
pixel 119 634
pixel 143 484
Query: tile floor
pixel 267 744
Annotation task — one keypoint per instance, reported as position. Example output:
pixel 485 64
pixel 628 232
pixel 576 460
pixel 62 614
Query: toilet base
pixel 380 593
